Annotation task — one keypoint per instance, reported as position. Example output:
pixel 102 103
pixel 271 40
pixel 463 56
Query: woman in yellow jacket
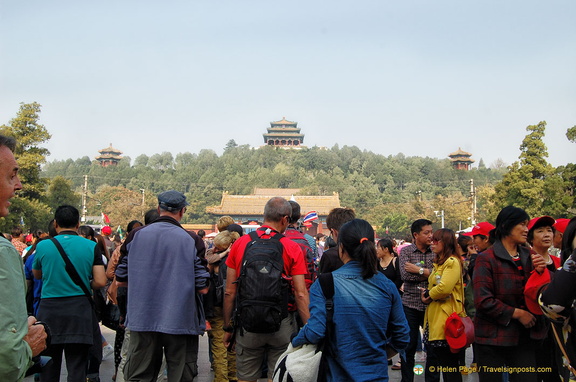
pixel 445 295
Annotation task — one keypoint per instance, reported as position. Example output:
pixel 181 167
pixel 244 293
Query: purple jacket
pixel 164 274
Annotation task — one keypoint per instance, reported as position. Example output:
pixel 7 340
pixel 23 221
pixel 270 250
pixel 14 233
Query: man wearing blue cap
pixel 165 276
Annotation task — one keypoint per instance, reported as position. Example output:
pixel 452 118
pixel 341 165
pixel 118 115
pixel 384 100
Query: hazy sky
pixel 418 77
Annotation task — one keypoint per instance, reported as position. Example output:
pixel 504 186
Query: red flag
pixel 105 218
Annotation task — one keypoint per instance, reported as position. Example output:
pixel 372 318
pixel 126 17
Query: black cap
pixel 235 228
pixel 172 200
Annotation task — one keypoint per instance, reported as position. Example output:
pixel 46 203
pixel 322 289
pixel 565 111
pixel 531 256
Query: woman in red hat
pixel 541 238
pixel 445 295
pixel 506 332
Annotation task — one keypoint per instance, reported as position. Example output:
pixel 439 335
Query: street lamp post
pixel 440 214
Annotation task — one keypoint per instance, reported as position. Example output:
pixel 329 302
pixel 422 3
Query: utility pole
pixel 440 214
pixel 472 203
pixel 84 198
pixel 143 200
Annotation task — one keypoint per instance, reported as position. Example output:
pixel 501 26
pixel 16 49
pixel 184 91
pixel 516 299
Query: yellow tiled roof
pixel 254 204
pixel 283 192
pixel 283 122
pixel 460 152
pixel 110 149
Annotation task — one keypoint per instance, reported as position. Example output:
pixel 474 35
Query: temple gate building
pixel 461 160
pixel 249 209
pixel 109 156
pixel 284 134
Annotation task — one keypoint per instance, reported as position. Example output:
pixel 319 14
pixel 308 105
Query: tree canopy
pixel 532 183
pixel 571 134
pixel 29 208
pixel 380 188
pixel 29 135
pixel 388 191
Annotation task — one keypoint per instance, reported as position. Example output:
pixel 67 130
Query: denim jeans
pixel 415 320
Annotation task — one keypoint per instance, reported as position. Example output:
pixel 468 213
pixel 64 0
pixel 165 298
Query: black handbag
pixel 111 316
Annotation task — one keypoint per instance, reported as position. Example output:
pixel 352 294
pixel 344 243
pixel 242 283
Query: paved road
pixel 205 375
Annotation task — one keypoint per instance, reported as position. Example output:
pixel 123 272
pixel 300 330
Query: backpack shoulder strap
pixel 72 272
pixel 327 284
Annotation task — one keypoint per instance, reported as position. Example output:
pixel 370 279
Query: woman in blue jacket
pixel 368 314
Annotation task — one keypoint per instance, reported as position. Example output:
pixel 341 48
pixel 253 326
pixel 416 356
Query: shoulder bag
pixel 72 272
pixel 308 363
pixel 110 314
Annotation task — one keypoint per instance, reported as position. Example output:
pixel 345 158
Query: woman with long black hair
pixel 367 306
pixel 388 261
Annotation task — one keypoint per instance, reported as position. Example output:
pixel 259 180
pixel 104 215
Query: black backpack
pixel 262 297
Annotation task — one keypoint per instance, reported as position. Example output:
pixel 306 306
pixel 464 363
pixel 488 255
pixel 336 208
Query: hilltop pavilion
pixel 284 134
pixel 461 159
pixel 109 156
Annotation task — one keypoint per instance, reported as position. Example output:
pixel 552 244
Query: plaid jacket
pixel 498 290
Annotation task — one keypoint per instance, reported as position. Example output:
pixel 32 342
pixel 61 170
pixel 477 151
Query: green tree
pixel 456 209
pixel 60 192
pixel 120 204
pixel 30 215
pixel 29 135
pixel 485 204
pixel 524 185
pixel 571 134
pixel 230 145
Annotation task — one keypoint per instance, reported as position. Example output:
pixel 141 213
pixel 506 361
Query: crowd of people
pixel 255 294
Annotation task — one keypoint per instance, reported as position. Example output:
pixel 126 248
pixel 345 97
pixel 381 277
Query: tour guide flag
pixel 105 218
pixel 312 215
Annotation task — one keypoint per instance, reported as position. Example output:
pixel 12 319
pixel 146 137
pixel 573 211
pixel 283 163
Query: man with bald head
pixel 253 348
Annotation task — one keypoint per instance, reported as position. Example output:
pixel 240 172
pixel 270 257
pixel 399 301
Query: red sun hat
pixel 542 221
pixel 106 230
pixel 561 224
pixel 532 290
pixel 458 333
pixel 482 228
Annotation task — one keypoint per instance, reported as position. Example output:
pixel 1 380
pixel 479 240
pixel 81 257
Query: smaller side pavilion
pixel 461 159
pixel 109 156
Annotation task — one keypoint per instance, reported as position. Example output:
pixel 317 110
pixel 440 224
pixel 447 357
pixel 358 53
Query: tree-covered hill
pixel 374 185
pixel 388 191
